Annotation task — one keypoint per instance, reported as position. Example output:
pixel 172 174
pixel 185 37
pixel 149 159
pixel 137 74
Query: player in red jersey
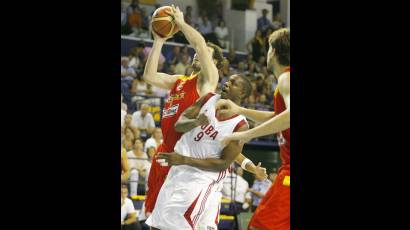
pixel 184 92
pixel 273 213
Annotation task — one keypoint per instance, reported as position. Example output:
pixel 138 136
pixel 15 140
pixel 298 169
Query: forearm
pixel 209 164
pixel 255 115
pixel 276 124
pixel 193 36
pixel 151 67
pixel 250 166
pixel 184 125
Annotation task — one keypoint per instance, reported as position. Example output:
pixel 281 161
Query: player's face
pixel 196 65
pixel 144 110
pixel 232 89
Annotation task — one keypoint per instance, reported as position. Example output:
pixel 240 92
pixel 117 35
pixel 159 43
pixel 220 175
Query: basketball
pixel 162 23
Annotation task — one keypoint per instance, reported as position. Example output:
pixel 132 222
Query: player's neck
pixel 229 114
pixel 278 69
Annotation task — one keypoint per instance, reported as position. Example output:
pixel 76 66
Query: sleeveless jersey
pixel 182 95
pixel 204 141
pixel 284 136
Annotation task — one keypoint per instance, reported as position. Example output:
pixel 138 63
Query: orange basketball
pixel 162 23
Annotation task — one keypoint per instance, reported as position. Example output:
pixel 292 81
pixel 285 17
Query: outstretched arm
pixel 151 74
pixel 226 105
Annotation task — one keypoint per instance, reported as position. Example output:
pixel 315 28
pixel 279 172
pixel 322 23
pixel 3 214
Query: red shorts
pixel 273 212
pixel 156 178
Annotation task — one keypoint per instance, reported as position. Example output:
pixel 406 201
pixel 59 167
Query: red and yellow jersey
pixel 182 95
pixel 284 136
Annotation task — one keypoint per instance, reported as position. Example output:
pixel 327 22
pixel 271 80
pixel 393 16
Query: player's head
pixel 144 109
pixel 138 145
pixel 236 88
pixel 217 56
pixel 279 48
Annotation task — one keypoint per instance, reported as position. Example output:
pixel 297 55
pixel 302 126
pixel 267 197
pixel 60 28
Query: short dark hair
pixel 218 55
pixel 246 86
pixel 280 41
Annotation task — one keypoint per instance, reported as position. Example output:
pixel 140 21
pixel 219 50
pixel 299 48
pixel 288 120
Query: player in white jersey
pixel 189 198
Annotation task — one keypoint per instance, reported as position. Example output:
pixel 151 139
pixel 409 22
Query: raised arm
pixel 209 73
pixel 151 74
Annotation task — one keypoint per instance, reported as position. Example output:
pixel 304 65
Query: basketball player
pixel 189 198
pixel 273 213
pixel 184 91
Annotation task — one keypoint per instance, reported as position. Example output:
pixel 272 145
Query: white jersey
pixel 190 197
pixel 205 141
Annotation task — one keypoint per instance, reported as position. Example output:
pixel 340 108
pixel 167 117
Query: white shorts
pixel 187 200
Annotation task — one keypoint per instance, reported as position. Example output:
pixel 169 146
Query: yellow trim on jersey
pixel 186 78
pixel 286 181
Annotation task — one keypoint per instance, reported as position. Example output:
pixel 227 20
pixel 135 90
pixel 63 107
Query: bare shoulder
pixel 284 82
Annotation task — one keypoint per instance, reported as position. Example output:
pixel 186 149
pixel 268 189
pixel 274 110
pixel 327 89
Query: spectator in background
pixel 241 67
pixel 257 192
pixel 145 19
pixel 277 22
pixel 127 76
pixel 221 32
pixel 140 87
pixel 264 22
pixel 182 65
pixel 155 140
pixel 251 71
pixel 188 15
pixel 241 188
pixel 205 28
pixel 129 139
pixel 261 63
pixel 144 121
pixel 124 19
pixel 272 176
pixel 137 56
pixel 135 5
pixel 137 161
pixel 123 105
pixel 135 21
pixel 268 32
pixel 128 213
pixel 127 72
pixel 123 111
pixel 174 56
pixel 256 45
pixel 232 58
